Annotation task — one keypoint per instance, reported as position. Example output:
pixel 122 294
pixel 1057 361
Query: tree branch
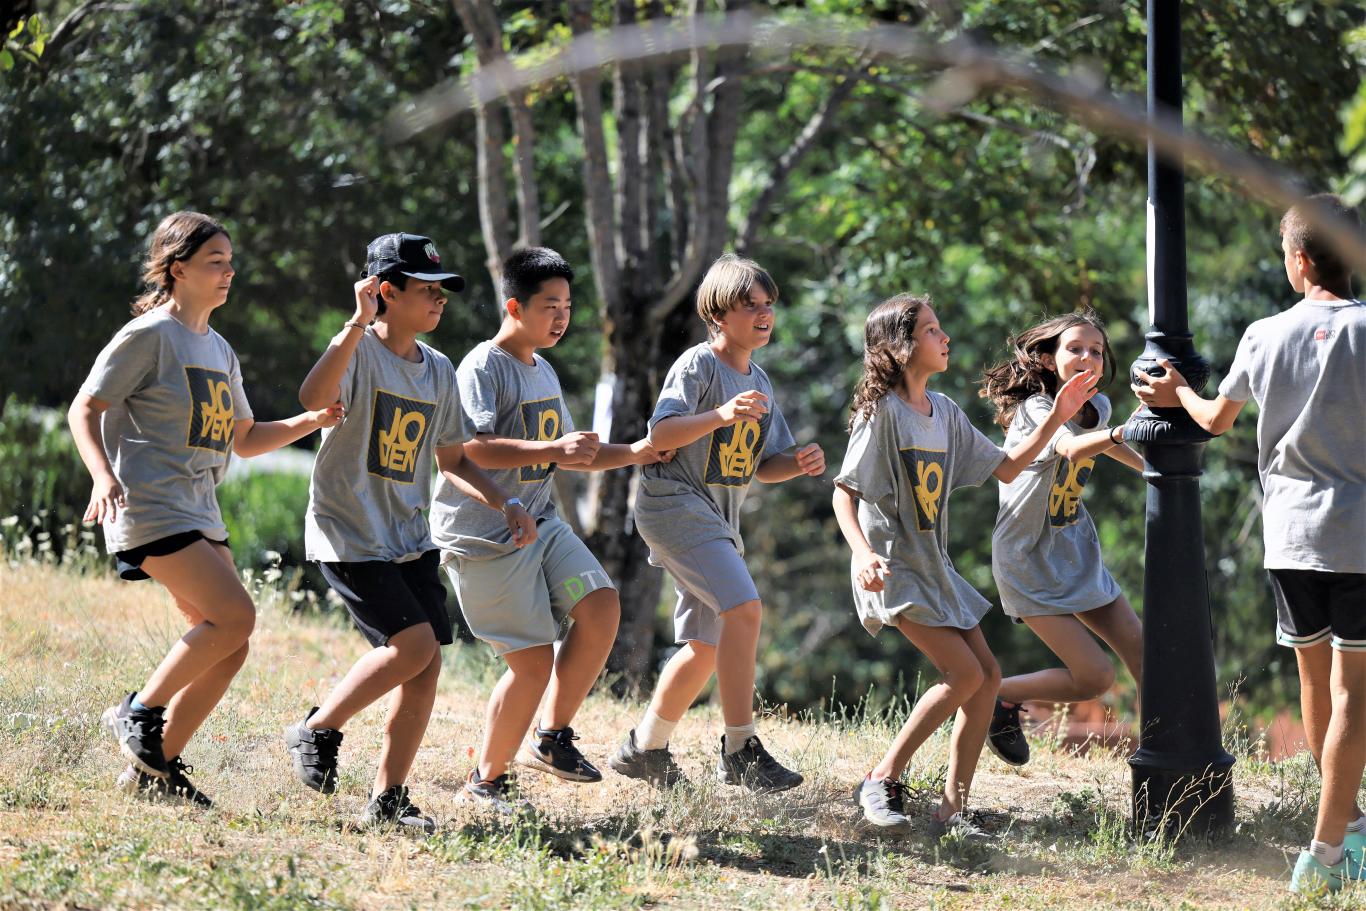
pixel 597 179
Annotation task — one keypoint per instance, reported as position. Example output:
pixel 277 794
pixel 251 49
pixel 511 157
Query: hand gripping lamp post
pixel 1182 776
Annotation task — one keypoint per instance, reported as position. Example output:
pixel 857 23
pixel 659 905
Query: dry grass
pixel 72 643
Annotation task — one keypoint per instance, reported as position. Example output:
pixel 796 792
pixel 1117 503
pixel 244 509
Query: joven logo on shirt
pixel 397 429
pixel 541 422
pixel 1064 497
pixel 211 414
pixel 735 452
pixel 926 468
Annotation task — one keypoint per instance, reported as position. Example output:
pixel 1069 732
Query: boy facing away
pixel 519 600
pixel 1306 368
pixel 717 410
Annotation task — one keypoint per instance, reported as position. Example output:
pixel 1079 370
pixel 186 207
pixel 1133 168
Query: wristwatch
pixel 511 501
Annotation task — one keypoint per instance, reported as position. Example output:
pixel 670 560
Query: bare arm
pixel 1126 456
pixel 322 386
pixel 809 460
pixel 252 438
pixel 1073 394
pixel 677 432
pixel 619 455
pixel 871 567
pixel 575 449
pixel 475 483
pixel 1171 390
pixel 106 496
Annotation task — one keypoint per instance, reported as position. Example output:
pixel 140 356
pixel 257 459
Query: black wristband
pixel 1120 428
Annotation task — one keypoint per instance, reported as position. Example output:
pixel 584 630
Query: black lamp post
pixel 1182 776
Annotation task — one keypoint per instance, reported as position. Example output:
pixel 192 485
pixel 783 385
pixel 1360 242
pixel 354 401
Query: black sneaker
pixel 498 794
pixel 883 802
pixel 755 768
pixel 393 808
pixel 315 754
pixel 655 766
pixel 176 787
pixel 1006 737
pixel 554 752
pixel 138 732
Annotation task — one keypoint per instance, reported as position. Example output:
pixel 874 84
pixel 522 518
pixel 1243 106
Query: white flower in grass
pixel 273 575
pixel 9 521
pixel 271 556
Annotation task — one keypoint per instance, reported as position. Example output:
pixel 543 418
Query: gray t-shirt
pixel 1045 554
pixel 174 398
pixel 697 497
pixel 903 465
pixel 372 478
pixel 1306 367
pixel 502 396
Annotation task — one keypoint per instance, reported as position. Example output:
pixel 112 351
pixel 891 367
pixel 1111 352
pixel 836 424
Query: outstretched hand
pixel 1075 393
pixel 106 499
pixel 1161 391
pixel 811 460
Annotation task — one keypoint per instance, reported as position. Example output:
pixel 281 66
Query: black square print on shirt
pixel 211 413
pixel 398 427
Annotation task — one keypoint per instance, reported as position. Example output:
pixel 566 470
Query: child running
pixel 365 525
pixel 518 599
pixel 1045 554
pixel 1306 369
pixel 717 410
pixel 908 448
pixel 156 423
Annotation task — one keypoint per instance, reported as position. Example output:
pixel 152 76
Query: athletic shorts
pixel 1314 607
pixel 385 598
pixel 129 562
pixel 709 579
pixel 522 599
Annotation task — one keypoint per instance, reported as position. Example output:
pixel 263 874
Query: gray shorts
pixel 710 579
pixel 521 599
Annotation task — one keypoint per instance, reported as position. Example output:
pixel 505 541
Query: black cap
pixel 412 255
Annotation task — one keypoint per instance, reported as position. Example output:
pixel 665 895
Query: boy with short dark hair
pixel 365 525
pixel 1306 368
pixel 717 410
pixel 518 601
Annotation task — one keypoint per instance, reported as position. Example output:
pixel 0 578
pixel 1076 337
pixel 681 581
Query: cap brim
pixel 449 280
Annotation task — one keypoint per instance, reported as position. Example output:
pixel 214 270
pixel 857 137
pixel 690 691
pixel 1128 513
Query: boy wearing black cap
pixel 365 525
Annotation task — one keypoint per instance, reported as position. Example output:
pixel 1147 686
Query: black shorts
pixel 386 598
pixel 1314 607
pixel 129 562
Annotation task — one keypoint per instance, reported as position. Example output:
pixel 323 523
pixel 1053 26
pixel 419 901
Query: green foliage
pixel 264 514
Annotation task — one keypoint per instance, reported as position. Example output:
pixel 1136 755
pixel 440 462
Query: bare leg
pixel 188 708
pixel 682 680
pixel 962 671
pixel 378 671
pixel 1344 747
pixel 970 729
pixel 1316 699
pixel 1121 629
pixel 581 656
pixel 1087 674
pixel 410 709
pixel 199 575
pixel 512 706
pixel 735 656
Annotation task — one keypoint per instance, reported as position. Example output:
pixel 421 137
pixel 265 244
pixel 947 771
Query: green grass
pixel 73 639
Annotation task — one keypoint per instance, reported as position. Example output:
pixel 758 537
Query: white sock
pixel 736 736
pixel 653 732
pixel 1358 826
pixel 1326 854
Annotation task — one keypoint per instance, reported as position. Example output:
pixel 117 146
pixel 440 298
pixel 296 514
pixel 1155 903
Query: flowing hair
pixel 888 340
pixel 1023 374
pixel 177 238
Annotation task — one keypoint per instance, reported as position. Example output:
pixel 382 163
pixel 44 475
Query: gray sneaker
pixel 959 826
pixel 755 768
pixel 883 801
pixel 393 808
pixel 655 766
pixel 499 794
pixel 314 753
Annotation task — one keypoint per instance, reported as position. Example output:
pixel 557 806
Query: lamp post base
pixel 1171 798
